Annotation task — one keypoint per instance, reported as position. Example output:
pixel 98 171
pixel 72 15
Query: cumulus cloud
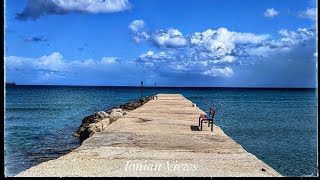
pixel 248 37
pixel 34 9
pixel 301 34
pixel 221 42
pixel 109 60
pixel 227 72
pixel 54 69
pixel 309 13
pixel 225 54
pixel 151 59
pixel 136 25
pixel 171 38
pixel 217 56
pixel 178 61
pixel 270 12
pixel 225 59
pixel 137 28
pixel 208 53
pixel 302 38
pixel 140 37
pixel 150 55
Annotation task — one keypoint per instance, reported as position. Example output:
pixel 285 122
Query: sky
pixel 206 43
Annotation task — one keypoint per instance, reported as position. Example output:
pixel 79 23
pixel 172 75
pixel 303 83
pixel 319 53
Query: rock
pixel 98 126
pixel 81 129
pixel 105 123
pixel 76 134
pixel 100 120
pixel 90 119
pixel 117 110
pixel 95 117
pixel 92 128
pixel 102 114
pixel 130 105
pixel 89 131
pixel 115 114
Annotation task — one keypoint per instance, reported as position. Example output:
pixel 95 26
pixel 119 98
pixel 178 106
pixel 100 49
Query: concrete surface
pixel 161 138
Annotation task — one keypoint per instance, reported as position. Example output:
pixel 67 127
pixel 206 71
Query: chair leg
pixel 201 125
pixel 199 120
pixel 212 125
pixel 209 123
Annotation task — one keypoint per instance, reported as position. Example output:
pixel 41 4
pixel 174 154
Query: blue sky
pixel 247 43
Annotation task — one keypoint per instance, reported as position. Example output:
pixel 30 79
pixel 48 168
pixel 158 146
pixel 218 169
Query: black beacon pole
pixel 141 89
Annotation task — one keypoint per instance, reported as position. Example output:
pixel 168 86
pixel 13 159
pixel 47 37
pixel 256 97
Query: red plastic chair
pixel 208 118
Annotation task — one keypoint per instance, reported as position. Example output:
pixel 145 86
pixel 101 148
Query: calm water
pixel 279 126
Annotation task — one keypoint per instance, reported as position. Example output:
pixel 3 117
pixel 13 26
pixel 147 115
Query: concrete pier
pixel 160 138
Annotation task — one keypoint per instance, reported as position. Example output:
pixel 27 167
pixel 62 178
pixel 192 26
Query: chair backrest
pixel 212 112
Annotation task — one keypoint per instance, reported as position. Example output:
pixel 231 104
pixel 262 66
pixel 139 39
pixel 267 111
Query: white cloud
pixel 223 72
pixel 302 38
pixel 52 62
pixel 225 59
pixel 151 56
pixel 150 53
pixel 271 12
pixel 54 67
pixel 221 42
pixel 209 53
pixel 109 60
pixel 249 37
pixel 147 55
pixel 214 53
pixel 217 42
pixel 140 37
pixel 93 6
pixel 37 8
pixel 136 25
pixel 301 34
pixel 172 38
pixel 309 13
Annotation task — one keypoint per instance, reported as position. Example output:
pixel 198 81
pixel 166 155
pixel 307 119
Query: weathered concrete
pixel 162 133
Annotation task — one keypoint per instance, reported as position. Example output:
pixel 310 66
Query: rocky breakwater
pixel 98 121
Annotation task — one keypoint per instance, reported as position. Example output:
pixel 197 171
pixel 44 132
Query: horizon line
pixel 247 87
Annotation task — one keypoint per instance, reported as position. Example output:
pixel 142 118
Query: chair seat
pixel 205 117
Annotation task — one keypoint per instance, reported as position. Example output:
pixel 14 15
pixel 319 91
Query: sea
pixel 279 126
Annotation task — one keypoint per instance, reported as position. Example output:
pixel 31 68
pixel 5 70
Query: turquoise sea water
pixel 279 126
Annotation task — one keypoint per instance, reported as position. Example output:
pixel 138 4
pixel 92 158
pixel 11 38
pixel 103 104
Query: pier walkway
pixel 158 139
